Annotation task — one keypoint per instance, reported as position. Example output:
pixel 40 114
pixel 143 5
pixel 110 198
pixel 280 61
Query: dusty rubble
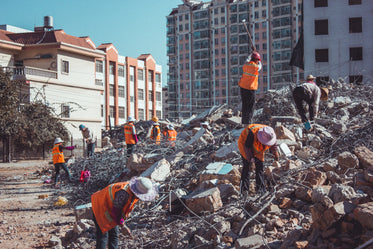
pixel 320 194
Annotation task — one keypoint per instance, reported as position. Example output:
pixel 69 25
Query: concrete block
pixel 204 200
pixel 159 171
pixel 83 212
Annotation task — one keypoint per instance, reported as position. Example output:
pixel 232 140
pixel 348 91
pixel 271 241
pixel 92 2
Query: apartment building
pixel 338 40
pixel 207 45
pixel 165 102
pixel 133 86
pixel 60 70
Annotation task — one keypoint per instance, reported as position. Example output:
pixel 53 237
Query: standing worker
pixel 253 142
pixel 248 85
pixel 112 205
pixel 89 139
pixel 155 133
pixel 59 159
pixel 311 94
pixel 130 135
pixel 170 135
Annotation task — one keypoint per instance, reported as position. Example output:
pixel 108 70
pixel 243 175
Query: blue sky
pixel 135 27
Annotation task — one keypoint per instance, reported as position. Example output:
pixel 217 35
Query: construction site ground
pixel 29 217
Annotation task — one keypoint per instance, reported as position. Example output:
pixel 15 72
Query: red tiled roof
pixel 53 36
pixel 143 56
pixel 4 35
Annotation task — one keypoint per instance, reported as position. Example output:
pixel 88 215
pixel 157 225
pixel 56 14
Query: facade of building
pixel 165 102
pixel 338 40
pixel 207 45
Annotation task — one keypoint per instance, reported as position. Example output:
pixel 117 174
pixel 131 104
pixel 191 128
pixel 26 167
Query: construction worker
pixel 310 93
pixel 130 135
pixel 171 134
pixel 89 138
pixel 112 205
pixel 59 159
pixel 253 142
pixel 248 85
pixel 155 133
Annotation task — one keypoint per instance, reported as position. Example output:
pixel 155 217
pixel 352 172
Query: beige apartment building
pixel 85 84
pixel 207 45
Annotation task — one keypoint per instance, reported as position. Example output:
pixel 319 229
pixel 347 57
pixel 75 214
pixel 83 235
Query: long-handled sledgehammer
pixel 248 34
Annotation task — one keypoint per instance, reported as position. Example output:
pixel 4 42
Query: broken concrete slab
pixel 365 156
pixel 364 214
pixel 226 172
pixel 284 133
pixel 204 200
pixel 159 171
pixel 347 160
pixel 83 212
pixel 284 119
pixel 226 152
pixel 251 242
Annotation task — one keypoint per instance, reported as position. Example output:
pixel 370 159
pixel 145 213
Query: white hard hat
pixel 58 140
pixel 130 119
pixel 170 127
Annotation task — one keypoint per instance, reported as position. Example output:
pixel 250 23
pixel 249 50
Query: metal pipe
pixel 248 34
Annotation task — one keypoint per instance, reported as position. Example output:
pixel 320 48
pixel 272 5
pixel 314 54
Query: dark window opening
pixel 356 54
pixel 355 25
pixel 321 27
pixel 354 2
pixel 321 3
pixel 356 79
pixel 322 55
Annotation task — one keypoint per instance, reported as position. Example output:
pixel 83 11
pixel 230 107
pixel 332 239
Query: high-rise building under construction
pixel 207 45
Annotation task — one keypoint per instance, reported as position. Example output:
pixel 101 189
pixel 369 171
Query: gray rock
pixel 340 192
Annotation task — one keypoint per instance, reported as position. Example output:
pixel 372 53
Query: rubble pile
pixel 320 193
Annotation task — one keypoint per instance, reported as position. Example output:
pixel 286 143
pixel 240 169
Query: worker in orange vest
pixel 248 85
pixel 130 135
pixel 253 142
pixel 171 134
pixel 112 205
pixel 155 133
pixel 59 159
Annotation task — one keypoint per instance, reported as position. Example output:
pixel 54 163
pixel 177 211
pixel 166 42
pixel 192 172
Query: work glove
pixel 307 125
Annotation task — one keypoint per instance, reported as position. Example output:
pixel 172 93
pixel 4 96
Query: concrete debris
pixel 319 194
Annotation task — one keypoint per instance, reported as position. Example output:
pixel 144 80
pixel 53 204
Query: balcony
pixel 21 73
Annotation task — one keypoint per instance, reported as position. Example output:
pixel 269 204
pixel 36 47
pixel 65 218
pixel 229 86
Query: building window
pixel 121 112
pixel 355 25
pixel 321 55
pixel 354 2
pixel 141 114
pixel 102 110
pixel 140 74
pixel 112 111
pixel 150 96
pixel 99 82
pixel 112 68
pixel 158 77
pixel 65 111
pixel 99 66
pixel 150 75
pixel 321 27
pixel 158 114
pixel 121 93
pixel 356 79
pixel 356 54
pixel 120 70
pixel 111 90
pixel 158 96
pixel 140 94
pixel 132 74
pixel 65 67
pixel 321 3
pixel 132 98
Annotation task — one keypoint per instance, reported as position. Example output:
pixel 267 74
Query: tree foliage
pixel 29 124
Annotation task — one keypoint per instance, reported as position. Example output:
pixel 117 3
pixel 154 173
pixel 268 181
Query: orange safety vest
pixel 128 133
pixel 57 154
pixel 171 135
pixel 249 79
pixel 259 149
pixel 156 134
pixel 102 204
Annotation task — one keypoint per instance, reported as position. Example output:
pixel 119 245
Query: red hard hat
pixel 255 55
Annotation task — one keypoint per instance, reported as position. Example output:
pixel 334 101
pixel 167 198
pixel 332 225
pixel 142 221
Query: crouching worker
pixel 253 142
pixel 112 205
pixel 59 159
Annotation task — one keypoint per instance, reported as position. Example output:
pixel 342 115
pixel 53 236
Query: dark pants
pixel 245 175
pixel 130 148
pixel 300 94
pixel 102 238
pixel 91 149
pixel 248 102
pixel 57 167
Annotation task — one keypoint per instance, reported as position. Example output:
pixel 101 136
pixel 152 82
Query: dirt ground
pixel 29 221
